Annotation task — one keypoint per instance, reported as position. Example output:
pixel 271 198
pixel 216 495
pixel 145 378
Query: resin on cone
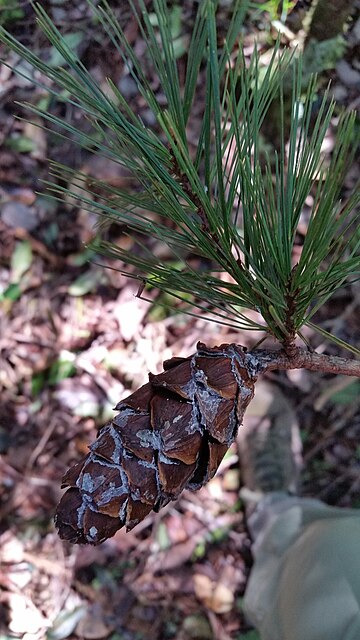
pixel 169 435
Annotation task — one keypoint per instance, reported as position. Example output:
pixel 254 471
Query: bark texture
pixel 329 18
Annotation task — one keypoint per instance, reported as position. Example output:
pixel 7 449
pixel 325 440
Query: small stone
pixel 349 76
pixel 128 87
pixel 148 118
pixel 356 30
pixel 18 215
pixel 339 93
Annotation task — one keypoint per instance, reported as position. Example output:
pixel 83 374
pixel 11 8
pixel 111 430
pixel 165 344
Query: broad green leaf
pixel 62 368
pixel 348 395
pixel 72 40
pixel 21 144
pixel 21 260
pixel 86 283
pixel 12 292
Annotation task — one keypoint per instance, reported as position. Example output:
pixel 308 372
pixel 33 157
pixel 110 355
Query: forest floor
pixel 75 339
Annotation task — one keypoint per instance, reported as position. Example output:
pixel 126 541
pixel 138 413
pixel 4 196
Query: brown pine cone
pixel 170 434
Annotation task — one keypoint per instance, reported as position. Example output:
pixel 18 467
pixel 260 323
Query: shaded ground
pixel 74 340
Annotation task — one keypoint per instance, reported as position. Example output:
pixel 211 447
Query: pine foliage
pixel 235 207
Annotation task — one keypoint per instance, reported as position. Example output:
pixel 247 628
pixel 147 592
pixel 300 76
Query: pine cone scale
pixel 174 475
pixel 216 454
pixel 136 512
pixel 134 432
pixel 177 380
pixel 218 376
pixel 141 477
pixel 139 400
pixel 178 429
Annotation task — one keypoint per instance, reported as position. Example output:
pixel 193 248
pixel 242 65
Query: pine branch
pixel 303 359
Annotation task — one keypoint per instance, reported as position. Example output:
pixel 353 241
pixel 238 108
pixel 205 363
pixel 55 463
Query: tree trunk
pixel 326 26
pixel 328 19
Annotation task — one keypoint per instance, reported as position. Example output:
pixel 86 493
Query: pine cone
pixel 170 434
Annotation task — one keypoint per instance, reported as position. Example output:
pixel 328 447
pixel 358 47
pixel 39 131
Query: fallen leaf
pixel 129 311
pixel 214 595
pixel 86 282
pixel 92 627
pixel 24 616
pixel 21 260
pixel 11 550
pixel 36 134
pixel 197 627
pixel 174 557
pixel 17 215
pixel 65 623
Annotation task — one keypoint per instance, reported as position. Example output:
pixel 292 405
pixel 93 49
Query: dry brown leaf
pixel 37 135
pixel 24 616
pixel 92 627
pixel 130 311
pixel 214 595
pixel 176 556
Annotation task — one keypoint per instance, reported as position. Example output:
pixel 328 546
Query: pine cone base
pixel 169 435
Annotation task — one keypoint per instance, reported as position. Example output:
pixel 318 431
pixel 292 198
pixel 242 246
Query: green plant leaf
pixel 72 40
pixel 21 144
pixel 86 283
pixel 62 368
pixel 21 260
pixel 348 395
pixel 12 293
pixel 37 383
